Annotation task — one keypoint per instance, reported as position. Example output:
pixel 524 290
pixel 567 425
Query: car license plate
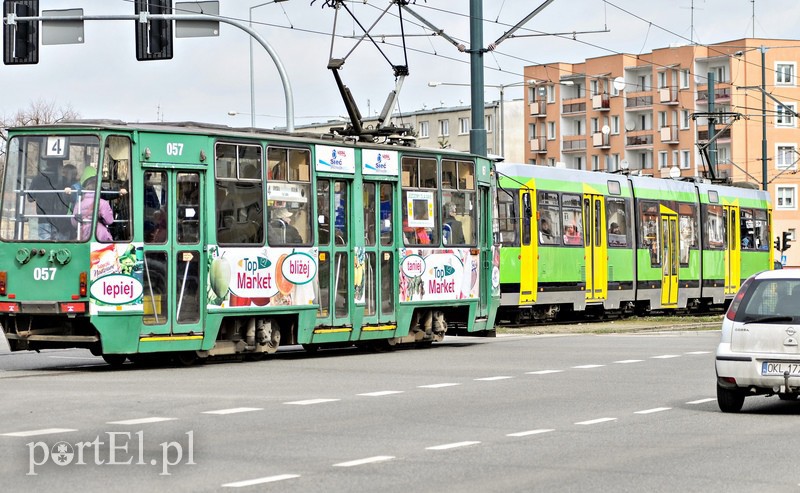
pixel 772 368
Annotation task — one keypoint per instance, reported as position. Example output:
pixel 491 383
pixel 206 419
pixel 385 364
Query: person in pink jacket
pixel 85 206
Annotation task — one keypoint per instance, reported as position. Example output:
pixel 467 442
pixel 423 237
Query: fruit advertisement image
pixel 244 277
pixel 115 271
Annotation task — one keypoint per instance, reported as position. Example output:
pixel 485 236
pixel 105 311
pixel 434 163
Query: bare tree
pixel 38 112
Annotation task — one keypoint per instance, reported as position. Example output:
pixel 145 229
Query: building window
pixel 444 128
pixel 662 119
pixel 720 73
pixel 675 158
pixel 488 123
pixel 686 160
pixel 685 118
pixel 644 161
pixel 784 73
pixel 595 163
pixel 786 156
pixel 662 79
pixel 685 78
pixel 612 162
pixel 662 159
pixel 531 131
pixel 615 125
pixel 463 126
pixel 551 161
pixel 785 196
pixel 423 130
pixel 551 130
pixel 551 94
pixel 785 114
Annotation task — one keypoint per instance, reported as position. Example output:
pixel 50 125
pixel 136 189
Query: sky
pixel 209 77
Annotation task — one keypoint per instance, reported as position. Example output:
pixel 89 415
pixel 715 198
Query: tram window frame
pixel 649 226
pixel 618 212
pixel 548 208
pixel 238 173
pixel 687 232
pixel 507 218
pixel 572 213
pixel 458 190
pixel 756 233
pixel 115 185
pixel 716 229
pixel 289 189
pixel 418 194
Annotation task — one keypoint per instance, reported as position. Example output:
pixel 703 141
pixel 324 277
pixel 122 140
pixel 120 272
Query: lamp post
pixel 252 83
pixel 502 88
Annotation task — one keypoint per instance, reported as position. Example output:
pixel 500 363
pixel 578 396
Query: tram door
pixel 732 253
pixel 594 217
pixel 334 232
pixel 529 233
pixel 669 258
pixel 379 284
pixel 173 265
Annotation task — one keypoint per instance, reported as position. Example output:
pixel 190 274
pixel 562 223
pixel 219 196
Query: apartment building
pixel 648 113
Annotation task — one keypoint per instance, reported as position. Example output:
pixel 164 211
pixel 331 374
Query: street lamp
pixel 502 88
pixel 252 84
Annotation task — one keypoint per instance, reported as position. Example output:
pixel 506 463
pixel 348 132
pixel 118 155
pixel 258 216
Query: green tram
pixel 601 242
pixel 198 240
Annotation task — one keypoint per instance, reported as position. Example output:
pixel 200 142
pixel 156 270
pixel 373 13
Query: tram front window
pixel 40 186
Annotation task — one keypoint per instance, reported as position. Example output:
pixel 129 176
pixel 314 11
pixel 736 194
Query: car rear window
pixel 770 298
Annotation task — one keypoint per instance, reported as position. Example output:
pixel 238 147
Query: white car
pixel 758 353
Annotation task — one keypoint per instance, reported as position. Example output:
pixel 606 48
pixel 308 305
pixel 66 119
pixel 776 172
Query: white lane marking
pixel 140 421
pixel 530 432
pixel 251 482
pixel 438 385
pixel 702 401
pixel 595 421
pixel 667 356
pixel 31 433
pixel 698 352
pixel 584 367
pixel 368 460
pixel 543 372
pixel 311 401
pixel 381 393
pixel 234 410
pixel 448 446
pixel 492 379
pixel 74 357
pixel 627 361
pixel 654 410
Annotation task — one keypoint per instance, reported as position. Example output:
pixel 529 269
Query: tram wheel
pixel 311 348
pixel 115 360
pixel 274 337
pixel 186 358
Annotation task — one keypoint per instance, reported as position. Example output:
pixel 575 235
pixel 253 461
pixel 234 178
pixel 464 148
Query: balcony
pixel 721 95
pixel 723 136
pixel 574 106
pixel 538 145
pixel 574 143
pixel 668 95
pixel 669 134
pixel 538 109
pixel 639 101
pixel 643 140
pixel 600 141
pixel 601 102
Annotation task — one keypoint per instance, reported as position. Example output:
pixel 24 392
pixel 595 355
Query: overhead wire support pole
pixel 477 134
pixel 145 17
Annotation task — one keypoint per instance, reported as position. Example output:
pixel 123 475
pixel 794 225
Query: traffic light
pixel 153 38
pixel 786 239
pixel 20 39
pixel 778 243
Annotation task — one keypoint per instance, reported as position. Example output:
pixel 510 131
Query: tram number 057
pixel 44 273
pixel 174 148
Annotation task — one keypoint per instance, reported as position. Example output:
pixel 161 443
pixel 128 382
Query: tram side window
pixel 459 208
pixel 507 217
pixel 239 194
pixel 617 219
pixel 754 229
pixel 116 184
pixel 651 234
pixel 687 224
pixel 420 204
pixel 288 194
pixel 549 219
pixel 714 227
pixel 571 214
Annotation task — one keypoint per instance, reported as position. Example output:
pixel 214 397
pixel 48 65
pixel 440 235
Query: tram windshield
pixel 43 187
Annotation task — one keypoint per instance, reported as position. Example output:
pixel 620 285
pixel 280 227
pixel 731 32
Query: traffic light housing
pixel 153 38
pixel 778 243
pixel 21 39
pixel 786 239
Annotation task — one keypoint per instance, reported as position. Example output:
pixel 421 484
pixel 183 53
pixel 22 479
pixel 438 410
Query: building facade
pixel 650 113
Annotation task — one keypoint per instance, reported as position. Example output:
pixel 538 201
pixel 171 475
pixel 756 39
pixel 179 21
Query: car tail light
pixel 82 284
pixel 737 300
pixel 3 277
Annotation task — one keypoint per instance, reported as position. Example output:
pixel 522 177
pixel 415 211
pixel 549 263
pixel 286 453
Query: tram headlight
pixel 82 284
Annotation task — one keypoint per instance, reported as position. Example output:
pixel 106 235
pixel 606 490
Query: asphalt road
pixel 583 412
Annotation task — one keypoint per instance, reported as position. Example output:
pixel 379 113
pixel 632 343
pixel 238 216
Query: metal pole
pixel 764 183
pixel 252 77
pixel 502 123
pixel 712 130
pixel 477 134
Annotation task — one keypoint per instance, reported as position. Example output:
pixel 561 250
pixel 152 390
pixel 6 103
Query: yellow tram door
pixel 595 245
pixel 732 253
pixel 528 247
pixel 669 258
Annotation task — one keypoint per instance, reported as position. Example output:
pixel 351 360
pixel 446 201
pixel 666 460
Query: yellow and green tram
pixel 198 240
pixel 582 241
